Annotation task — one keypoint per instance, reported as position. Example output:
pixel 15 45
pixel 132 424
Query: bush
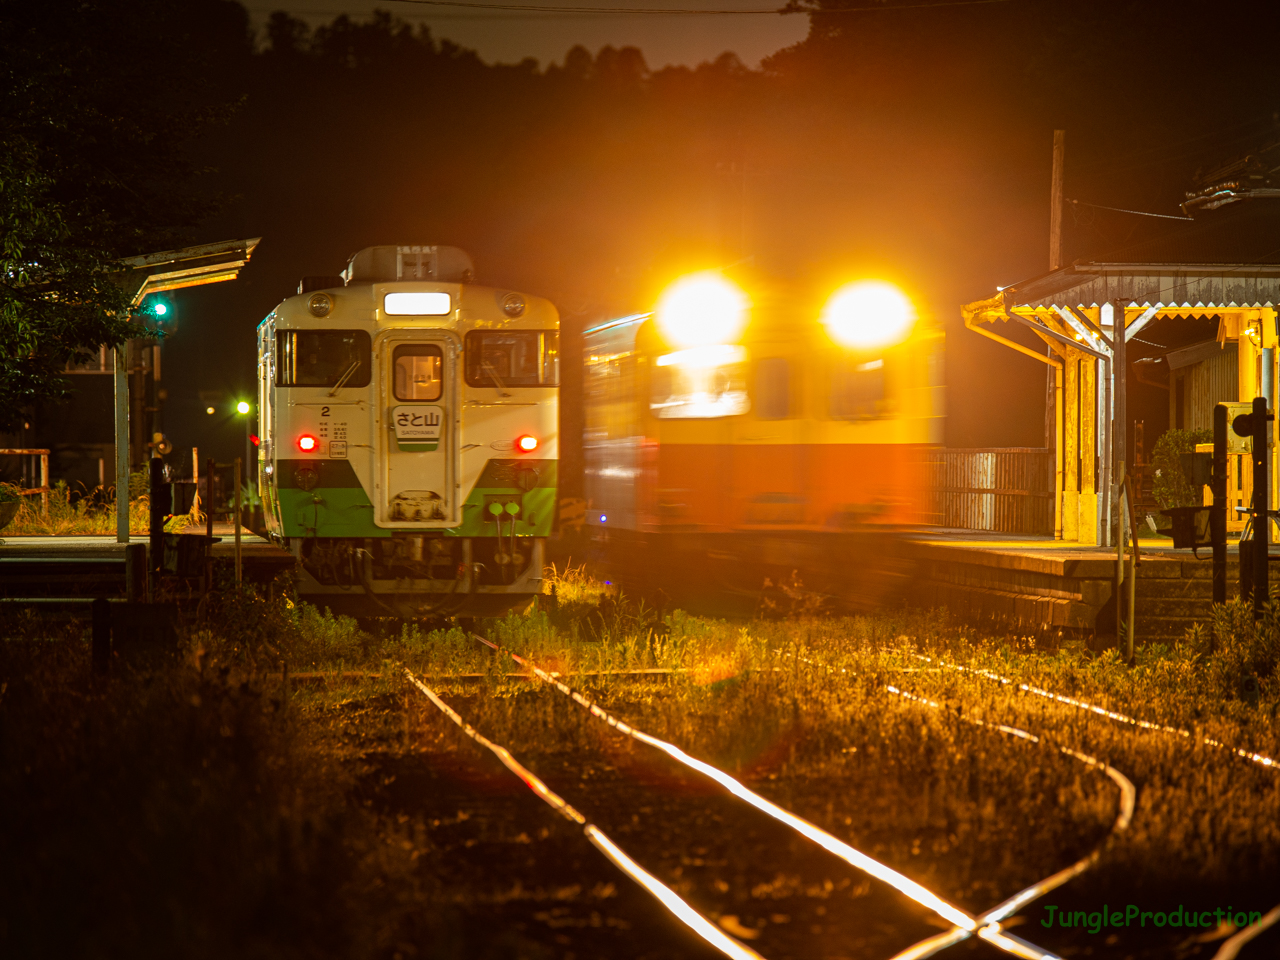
pixel 1171 487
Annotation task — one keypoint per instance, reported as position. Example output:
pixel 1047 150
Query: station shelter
pixel 1194 313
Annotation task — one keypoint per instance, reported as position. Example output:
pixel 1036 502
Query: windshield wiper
pixel 355 365
pixel 493 375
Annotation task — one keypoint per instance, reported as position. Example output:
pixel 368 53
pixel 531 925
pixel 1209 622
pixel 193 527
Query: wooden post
pixel 1071 448
pixel 44 483
pixel 1089 428
pixel 210 467
pixel 1120 373
pixel 100 653
pixel 1055 263
pixel 1055 200
pixel 1260 521
pixel 236 519
pixel 1058 448
pixel 161 504
pixel 135 572
pixel 120 380
pixel 1218 513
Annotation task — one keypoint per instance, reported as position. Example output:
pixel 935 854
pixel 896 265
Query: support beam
pixel 120 380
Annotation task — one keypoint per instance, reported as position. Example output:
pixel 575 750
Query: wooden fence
pixel 1002 490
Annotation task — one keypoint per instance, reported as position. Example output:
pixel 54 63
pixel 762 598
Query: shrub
pixel 1171 487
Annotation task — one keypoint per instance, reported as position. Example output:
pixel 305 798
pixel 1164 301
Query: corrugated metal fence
pixel 1003 490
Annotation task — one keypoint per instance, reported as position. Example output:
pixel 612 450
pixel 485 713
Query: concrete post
pixel 121 382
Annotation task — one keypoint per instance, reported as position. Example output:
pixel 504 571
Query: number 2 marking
pixel 324 411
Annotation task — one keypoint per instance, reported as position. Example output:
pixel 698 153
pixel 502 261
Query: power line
pixel 1136 213
pixel 685 11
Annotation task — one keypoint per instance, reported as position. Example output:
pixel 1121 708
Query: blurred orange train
pixel 735 442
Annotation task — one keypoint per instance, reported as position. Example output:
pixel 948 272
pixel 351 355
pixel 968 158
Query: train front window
pixel 512 358
pixel 322 358
pixel 418 371
pixel 773 388
pixel 700 383
pixel 858 390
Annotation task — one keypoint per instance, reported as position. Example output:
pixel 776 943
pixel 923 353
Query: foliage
pixel 90 514
pixel 1171 488
pixel 98 101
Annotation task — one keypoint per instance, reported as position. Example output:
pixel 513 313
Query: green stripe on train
pixel 341 508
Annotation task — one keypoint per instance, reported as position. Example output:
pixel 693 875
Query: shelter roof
pixel 1228 258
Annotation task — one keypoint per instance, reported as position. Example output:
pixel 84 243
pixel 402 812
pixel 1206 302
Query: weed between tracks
pixel 188 805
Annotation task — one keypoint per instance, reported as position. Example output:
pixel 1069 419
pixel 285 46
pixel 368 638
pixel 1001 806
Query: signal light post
pixel 245 409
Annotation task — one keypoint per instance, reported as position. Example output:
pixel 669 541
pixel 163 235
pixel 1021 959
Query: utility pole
pixel 1055 263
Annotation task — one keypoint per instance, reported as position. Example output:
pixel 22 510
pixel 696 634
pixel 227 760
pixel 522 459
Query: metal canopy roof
pixel 186 267
pixel 1224 259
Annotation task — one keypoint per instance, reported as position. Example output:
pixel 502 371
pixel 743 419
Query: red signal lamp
pixel 526 443
pixel 307 443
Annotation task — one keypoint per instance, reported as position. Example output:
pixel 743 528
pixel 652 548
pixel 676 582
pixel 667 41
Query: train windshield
pixel 701 383
pixel 419 371
pixel 512 358
pixel 322 358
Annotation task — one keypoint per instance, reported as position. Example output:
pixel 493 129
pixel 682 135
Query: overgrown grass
pixel 200 760
pixel 93 514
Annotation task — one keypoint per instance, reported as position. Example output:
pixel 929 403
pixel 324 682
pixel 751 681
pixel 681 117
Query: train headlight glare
pixel 526 444
pixel 307 443
pixel 868 314
pixel 417 303
pixel 320 304
pixel 702 309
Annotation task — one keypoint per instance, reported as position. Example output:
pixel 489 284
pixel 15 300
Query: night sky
pixel 896 145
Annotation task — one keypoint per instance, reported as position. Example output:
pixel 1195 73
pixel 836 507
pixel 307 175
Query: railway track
pixel 987 926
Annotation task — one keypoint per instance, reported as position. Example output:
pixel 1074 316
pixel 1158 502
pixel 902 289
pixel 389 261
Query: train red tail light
pixel 307 443
pixel 526 443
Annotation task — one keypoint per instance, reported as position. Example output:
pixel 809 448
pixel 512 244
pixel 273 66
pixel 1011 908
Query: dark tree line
pixel 912 143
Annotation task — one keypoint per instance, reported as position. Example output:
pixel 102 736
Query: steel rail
pixel 1128 800
pixel 1103 712
pixel 1232 946
pixel 991 932
pixel 699 924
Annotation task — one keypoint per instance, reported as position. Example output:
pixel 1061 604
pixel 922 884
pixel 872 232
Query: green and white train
pixel 409 442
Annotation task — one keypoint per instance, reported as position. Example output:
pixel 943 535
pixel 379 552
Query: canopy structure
pixel 1076 311
pixel 152 273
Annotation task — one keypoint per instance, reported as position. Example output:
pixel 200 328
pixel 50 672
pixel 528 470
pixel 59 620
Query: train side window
pixel 857 390
pixel 512 358
pixel 418 371
pixel 773 388
pixel 322 358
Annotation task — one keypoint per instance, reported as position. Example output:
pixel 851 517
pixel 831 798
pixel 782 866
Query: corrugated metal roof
pixel 1225 258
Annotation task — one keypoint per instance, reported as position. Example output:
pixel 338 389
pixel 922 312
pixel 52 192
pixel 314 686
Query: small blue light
pixel 603 518
pixel 608 583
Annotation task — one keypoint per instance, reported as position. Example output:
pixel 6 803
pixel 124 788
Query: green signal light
pixel 242 407
pixel 161 309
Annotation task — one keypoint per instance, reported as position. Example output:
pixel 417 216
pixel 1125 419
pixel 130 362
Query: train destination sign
pixel 418 426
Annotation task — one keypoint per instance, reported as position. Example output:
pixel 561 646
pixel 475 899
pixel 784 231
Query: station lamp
pixel 868 315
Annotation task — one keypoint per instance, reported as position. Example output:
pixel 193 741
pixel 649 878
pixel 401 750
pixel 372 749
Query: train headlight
pixel 307 443
pixel 702 309
pixel 320 304
pixel 526 443
pixel 513 305
pixel 868 314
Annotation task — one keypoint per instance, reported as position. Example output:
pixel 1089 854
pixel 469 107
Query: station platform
pixel 1040 583
pixel 93 566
